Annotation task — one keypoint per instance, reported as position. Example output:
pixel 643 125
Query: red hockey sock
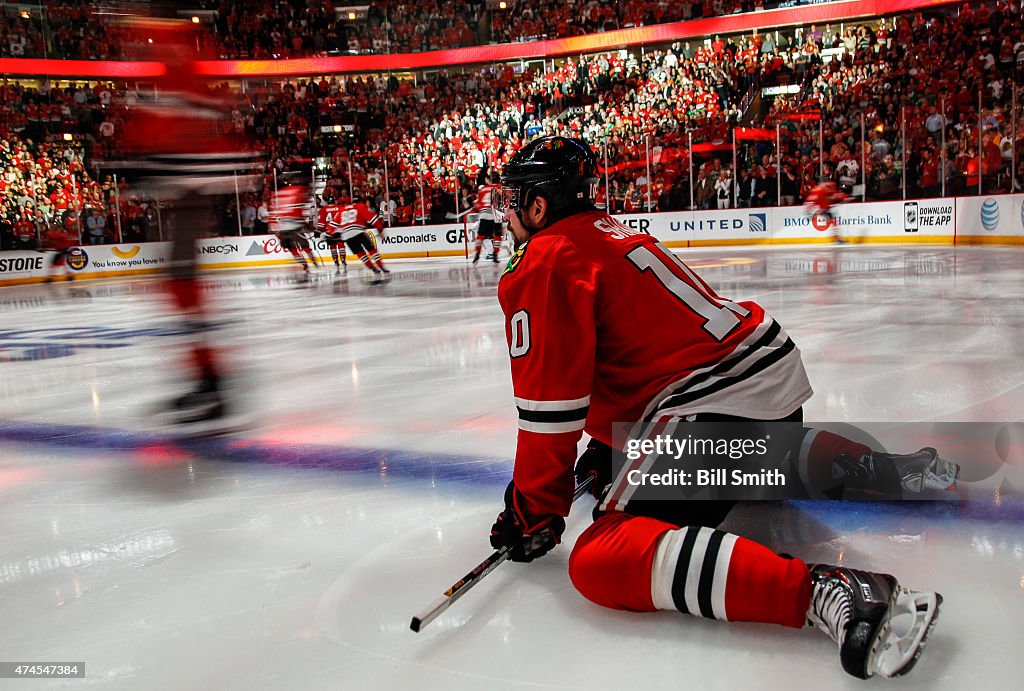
pixel 818 450
pixel 188 298
pixel 365 258
pixel 185 292
pixel 642 564
pixel 204 359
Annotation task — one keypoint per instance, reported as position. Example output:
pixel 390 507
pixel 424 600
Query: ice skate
pixel 880 626
pixel 200 409
pixel 205 411
pixel 888 473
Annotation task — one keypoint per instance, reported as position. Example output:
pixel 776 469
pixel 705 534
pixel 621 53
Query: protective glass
pixel 505 199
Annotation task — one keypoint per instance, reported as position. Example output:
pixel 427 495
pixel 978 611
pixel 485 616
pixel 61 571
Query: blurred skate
pixel 204 411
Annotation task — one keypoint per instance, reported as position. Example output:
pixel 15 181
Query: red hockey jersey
pixel 60 239
pixel 604 325
pixel 174 137
pixel 348 220
pixel 289 209
pixel 823 196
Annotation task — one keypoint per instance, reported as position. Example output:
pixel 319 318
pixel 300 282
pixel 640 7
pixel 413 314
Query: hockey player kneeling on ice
pixel 604 324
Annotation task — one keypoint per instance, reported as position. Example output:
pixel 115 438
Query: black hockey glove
pixel 595 462
pixel 526 541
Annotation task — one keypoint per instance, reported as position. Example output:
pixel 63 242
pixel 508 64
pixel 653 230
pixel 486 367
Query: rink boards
pixel 996 219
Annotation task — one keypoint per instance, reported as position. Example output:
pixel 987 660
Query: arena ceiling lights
pixel 352 13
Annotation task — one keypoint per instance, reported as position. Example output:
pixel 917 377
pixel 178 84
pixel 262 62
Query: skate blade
pixel 902 638
pixel 192 425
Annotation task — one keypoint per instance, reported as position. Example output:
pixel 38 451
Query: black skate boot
pixel 200 405
pixel 880 626
pixel 891 473
pixel 201 411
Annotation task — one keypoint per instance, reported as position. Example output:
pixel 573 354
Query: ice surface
pixel 294 555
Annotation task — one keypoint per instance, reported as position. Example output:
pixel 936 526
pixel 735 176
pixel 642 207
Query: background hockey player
pixel 334 242
pixel 604 324
pixel 820 201
pixel 352 223
pixel 488 226
pixel 289 218
pixel 59 241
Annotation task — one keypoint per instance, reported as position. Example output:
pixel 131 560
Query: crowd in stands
pixel 50 138
pixel 418 150
pixel 923 76
pixel 296 28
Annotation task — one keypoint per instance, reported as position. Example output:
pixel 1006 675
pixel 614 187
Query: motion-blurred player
pixel 488 225
pixel 289 216
pixel 175 147
pixel 605 324
pixel 351 223
pixel 59 241
pixel 820 201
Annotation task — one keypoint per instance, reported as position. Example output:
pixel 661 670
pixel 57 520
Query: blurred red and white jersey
pixel 60 239
pixel 290 209
pixel 176 137
pixel 348 220
pixel 823 196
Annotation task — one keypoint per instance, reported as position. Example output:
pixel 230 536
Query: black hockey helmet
pixel 563 170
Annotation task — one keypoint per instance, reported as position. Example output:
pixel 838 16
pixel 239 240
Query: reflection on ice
pixel 294 553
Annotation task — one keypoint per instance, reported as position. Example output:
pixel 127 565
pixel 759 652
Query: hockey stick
pixel 464 584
